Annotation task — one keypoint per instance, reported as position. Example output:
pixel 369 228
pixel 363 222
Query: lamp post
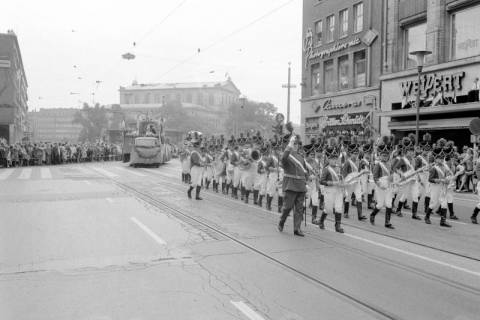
pixel 420 57
pixel 243 99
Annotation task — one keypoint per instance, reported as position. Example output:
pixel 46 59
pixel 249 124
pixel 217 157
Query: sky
pixel 71 49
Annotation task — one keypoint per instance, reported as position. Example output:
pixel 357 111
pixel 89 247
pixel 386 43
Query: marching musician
pixel 260 184
pixel 208 169
pixel 383 182
pixel 294 184
pixel 449 166
pixel 366 180
pixel 274 178
pixel 235 161
pixel 185 162
pixel 438 185
pixel 351 173
pixel 406 173
pixel 248 169
pixel 196 167
pixel 331 179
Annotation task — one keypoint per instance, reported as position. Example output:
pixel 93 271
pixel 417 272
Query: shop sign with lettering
pixel 329 105
pixel 318 123
pixel 432 83
pixel 312 52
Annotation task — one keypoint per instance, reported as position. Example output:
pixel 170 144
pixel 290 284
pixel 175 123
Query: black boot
pixel 359 211
pixel 235 193
pixel 321 223
pixel 338 221
pixel 207 184
pixel 247 193
pixel 346 207
pixel 474 215
pixel 439 210
pixel 405 205
pixel 353 200
pixel 183 177
pixel 314 214
pixel 280 204
pixel 269 202
pixel 452 214
pixel 426 204
pixel 260 200
pixel 255 196
pixel 223 187
pixel 242 193
pixel 414 211
pixel 369 201
pixel 388 214
pixel 197 195
pixel 393 201
pixel 443 219
pixel 399 209
pixel 372 215
pixel 189 192
pixel 427 216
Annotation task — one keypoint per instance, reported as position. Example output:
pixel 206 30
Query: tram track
pixel 365 305
pixel 346 223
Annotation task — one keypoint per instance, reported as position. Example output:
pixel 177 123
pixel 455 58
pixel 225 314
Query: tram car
pixel 147 146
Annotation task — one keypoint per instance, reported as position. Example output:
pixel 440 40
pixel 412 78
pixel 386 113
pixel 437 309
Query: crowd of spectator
pixel 468 170
pixel 53 153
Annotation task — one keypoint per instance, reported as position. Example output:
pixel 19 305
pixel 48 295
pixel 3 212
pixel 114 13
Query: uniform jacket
pixel 328 176
pixel 380 170
pixel 436 173
pixel 295 172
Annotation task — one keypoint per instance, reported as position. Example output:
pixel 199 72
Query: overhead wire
pixel 226 37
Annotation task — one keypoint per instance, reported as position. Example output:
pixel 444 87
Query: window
pixel 358 17
pixel 316 89
pixel 189 97
pixel 330 28
pixel 211 100
pixel 466 33
pixel 343 72
pixel 415 39
pixel 328 76
pixel 343 20
pixel 359 69
pixel 319 31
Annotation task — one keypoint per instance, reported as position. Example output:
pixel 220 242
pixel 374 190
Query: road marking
pixel 132 171
pixel 246 310
pixel 25 174
pixel 475 273
pixel 152 234
pixel 109 200
pixel 45 173
pixel 6 173
pixel 105 172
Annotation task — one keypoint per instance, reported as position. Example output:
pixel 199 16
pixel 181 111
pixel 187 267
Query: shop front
pixel 448 101
pixel 347 115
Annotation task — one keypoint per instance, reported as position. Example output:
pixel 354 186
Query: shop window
pixel 329 76
pixel 319 31
pixel 358 17
pixel 316 77
pixel 343 68
pixel 466 33
pixel 359 69
pixel 343 20
pixel 415 39
pixel 330 28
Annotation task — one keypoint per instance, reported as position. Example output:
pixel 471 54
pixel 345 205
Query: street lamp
pixel 243 99
pixel 420 57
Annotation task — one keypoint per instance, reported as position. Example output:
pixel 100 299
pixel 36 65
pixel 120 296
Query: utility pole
pixel 288 86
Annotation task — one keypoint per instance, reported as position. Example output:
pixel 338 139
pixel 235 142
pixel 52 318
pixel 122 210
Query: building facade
pixel 206 101
pixel 341 66
pixel 13 89
pixel 54 125
pixel 448 85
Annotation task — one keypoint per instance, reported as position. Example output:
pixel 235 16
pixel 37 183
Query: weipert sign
pixel 432 83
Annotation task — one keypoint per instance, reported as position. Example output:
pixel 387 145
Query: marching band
pixel 330 176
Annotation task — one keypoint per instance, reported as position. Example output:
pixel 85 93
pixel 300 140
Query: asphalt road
pixel 105 241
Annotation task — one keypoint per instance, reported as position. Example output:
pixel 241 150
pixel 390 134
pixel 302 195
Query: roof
pixel 180 85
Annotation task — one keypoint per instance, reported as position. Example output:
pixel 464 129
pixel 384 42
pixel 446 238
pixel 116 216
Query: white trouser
pixel 355 188
pixel 236 177
pixel 312 194
pixel 424 185
pixel 197 174
pixel 383 197
pixel 438 196
pixel 407 189
pixel 186 166
pixel 260 183
pixel 247 179
pixel 230 172
pixel 208 172
pixel 333 199
pixel 274 184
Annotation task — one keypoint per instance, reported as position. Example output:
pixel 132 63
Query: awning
pixel 453 108
pixel 438 124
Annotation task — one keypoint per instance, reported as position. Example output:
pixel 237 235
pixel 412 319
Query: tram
pixel 147 145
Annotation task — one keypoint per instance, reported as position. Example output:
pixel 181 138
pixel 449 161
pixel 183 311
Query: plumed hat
pixel 332 150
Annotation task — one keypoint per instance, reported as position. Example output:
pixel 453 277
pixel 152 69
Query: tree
pixel 93 121
pixel 250 116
